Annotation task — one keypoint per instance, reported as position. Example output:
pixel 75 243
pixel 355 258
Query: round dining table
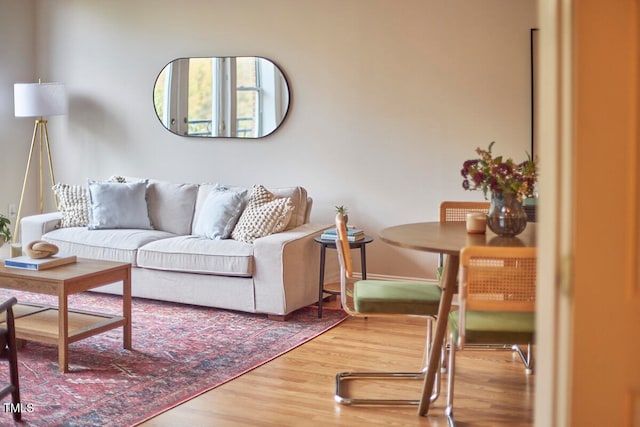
pixel 447 238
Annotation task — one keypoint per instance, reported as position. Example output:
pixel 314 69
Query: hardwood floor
pixel 297 388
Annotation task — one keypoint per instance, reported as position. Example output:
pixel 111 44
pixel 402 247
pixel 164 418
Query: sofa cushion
pixel 220 213
pixel 193 254
pixel 111 245
pixel 265 214
pixel 298 196
pixel 118 205
pixel 73 203
pixel 171 206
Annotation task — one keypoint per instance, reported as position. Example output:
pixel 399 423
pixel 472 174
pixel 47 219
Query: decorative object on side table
pixel 5 230
pixel 343 211
pixel 508 182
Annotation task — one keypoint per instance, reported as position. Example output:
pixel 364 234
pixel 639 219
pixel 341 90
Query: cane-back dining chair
pixel 497 303
pixel 456 211
pixel 369 298
pixel 8 351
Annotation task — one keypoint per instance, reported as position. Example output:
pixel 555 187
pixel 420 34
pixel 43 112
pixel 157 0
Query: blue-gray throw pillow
pixel 118 205
pixel 220 213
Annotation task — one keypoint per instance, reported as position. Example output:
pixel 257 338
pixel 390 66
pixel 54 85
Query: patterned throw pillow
pixel 265 214
pixel 73 203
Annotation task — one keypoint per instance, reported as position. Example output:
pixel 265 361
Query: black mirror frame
pixel 277 68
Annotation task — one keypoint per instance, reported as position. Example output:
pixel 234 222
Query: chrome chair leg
pixel 527 359
pixel 341 397
pixel 448 411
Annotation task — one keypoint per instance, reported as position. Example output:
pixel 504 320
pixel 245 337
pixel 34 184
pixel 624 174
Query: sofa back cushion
pixel 298 196
pixel 171 206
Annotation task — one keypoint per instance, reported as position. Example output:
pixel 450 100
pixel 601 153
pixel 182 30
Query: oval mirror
pixel 231 97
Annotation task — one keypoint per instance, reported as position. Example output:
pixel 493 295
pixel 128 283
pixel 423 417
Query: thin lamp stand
pixel 40 134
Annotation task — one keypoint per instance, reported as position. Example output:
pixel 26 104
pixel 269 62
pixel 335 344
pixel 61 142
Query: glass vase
pixel 506 216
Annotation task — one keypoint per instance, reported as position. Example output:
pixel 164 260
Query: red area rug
pixel 179 351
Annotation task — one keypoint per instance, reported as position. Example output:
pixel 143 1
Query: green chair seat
pixel 490 327
pixel 391 297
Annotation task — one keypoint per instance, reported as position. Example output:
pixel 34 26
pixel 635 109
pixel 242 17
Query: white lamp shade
pixel 39 99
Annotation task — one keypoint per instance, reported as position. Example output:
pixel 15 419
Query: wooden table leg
pixel 63 332
pixel 126 310
pixel 450 274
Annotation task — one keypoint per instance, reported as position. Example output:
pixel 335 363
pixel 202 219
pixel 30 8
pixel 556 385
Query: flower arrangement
pixel 497 175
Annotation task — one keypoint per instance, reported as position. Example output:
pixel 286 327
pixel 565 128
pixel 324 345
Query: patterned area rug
pixel 179 352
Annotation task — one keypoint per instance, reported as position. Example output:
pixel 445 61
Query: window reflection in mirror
pixel 237 97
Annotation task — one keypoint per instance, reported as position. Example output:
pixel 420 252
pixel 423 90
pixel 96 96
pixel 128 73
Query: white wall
pixel 17 64
pixel 389 97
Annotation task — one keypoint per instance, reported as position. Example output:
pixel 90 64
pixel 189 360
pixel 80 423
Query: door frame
pixel 554 90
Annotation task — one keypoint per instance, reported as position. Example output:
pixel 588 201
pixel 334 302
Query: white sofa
pixel 275 274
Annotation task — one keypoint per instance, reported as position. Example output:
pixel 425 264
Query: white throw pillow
pixel 118 205
pixel 265 214
pixel 73 203
pixel 220 213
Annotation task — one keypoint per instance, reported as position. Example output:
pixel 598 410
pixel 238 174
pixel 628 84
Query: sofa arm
pixel 287 267
pixel 35 226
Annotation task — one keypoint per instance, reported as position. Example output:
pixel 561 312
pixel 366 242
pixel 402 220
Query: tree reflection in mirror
pixel 233 97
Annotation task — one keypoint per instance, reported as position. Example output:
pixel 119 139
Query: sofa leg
pixel 279 317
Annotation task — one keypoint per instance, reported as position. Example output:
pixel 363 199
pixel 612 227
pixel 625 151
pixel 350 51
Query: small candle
pixel 476 223
pixel 16 250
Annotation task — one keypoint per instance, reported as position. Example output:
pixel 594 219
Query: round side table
pixel 324 244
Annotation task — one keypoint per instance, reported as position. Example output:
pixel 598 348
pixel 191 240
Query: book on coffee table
pixel 39 264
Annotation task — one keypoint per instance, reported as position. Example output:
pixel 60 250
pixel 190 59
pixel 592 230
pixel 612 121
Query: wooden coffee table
pixel 60 325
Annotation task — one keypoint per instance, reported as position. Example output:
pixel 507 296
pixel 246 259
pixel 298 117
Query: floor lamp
pixel 38 100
